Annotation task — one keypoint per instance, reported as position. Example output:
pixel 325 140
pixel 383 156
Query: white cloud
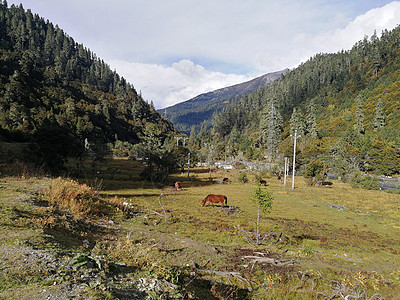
pixel 386 17
pixel 378 19
pixel 153 43
pixel 182 80
pixel 168 85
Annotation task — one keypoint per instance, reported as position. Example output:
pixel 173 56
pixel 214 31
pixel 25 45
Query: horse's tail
pixel 226 200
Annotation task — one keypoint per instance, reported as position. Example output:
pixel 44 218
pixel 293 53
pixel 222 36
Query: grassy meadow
pixel 318 242
pixel 334 233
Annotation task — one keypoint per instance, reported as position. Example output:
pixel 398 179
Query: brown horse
pixel 215 199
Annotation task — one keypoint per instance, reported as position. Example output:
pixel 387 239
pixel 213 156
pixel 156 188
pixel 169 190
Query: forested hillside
pixel 59 100
pixel 345 107
pixel 58 97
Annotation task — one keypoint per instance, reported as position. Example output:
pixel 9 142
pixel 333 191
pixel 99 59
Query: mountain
pixel 201 108
pixel 59 98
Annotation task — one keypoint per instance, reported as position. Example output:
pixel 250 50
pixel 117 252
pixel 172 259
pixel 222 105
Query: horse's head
pixel 204 201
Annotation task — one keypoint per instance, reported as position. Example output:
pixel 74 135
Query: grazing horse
pixel 178 185
pixel 280 178
pixel 215 199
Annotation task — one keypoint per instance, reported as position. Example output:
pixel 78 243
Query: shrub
pixel 122 149
pixel 314 172
pixel 359 180
pixel 275 170
pixel 257 177
pixel 243 177
pixel 68 196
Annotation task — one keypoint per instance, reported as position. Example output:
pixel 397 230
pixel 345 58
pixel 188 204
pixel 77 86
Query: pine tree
pixel 70 109
pixel 297 123
pixel 49 42
pixel 379 116
pixel 311 120
pixel 271 128
pixel 192 136
pixel 359 117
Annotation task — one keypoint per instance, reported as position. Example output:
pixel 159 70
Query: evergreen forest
pixel 58 100
pixel 344 106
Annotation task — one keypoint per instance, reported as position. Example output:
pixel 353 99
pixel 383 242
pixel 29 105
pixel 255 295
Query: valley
pixel 101 194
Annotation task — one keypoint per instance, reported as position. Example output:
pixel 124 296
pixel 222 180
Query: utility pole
pixel 286 170
pixel 208 147
pixel 294 156
pixel 189 165
pixel 177 140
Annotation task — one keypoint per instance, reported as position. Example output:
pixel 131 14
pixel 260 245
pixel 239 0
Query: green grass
pixel 339 234
pixel 339 231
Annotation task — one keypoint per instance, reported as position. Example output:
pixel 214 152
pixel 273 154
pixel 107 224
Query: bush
pixel 122 149
pixel 314 168
pixel 314 172
pixel 243 177
pixel 359 180
pixel 257 177
pixel 68 196
pixel 274 170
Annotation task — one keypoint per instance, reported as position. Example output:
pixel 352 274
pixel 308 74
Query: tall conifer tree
pixel 379 116
pixel 311 120
pixel 271 128
pixel 359 118
pixel 297 122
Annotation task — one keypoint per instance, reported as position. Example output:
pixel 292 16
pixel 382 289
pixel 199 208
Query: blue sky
pixel 174 50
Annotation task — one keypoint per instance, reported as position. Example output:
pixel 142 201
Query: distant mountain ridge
pixel 201 108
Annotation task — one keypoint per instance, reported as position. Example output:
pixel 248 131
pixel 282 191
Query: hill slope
pixel 201 108
pixel 55 94
pixel 344 106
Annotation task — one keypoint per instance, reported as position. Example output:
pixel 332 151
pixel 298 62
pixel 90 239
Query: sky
pixel 174 50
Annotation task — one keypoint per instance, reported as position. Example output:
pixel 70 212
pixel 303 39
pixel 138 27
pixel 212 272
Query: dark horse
pixel 215 199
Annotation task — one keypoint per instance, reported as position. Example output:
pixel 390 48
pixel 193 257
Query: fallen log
pixel 236 275
pixel 231 209
pixel 273 261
